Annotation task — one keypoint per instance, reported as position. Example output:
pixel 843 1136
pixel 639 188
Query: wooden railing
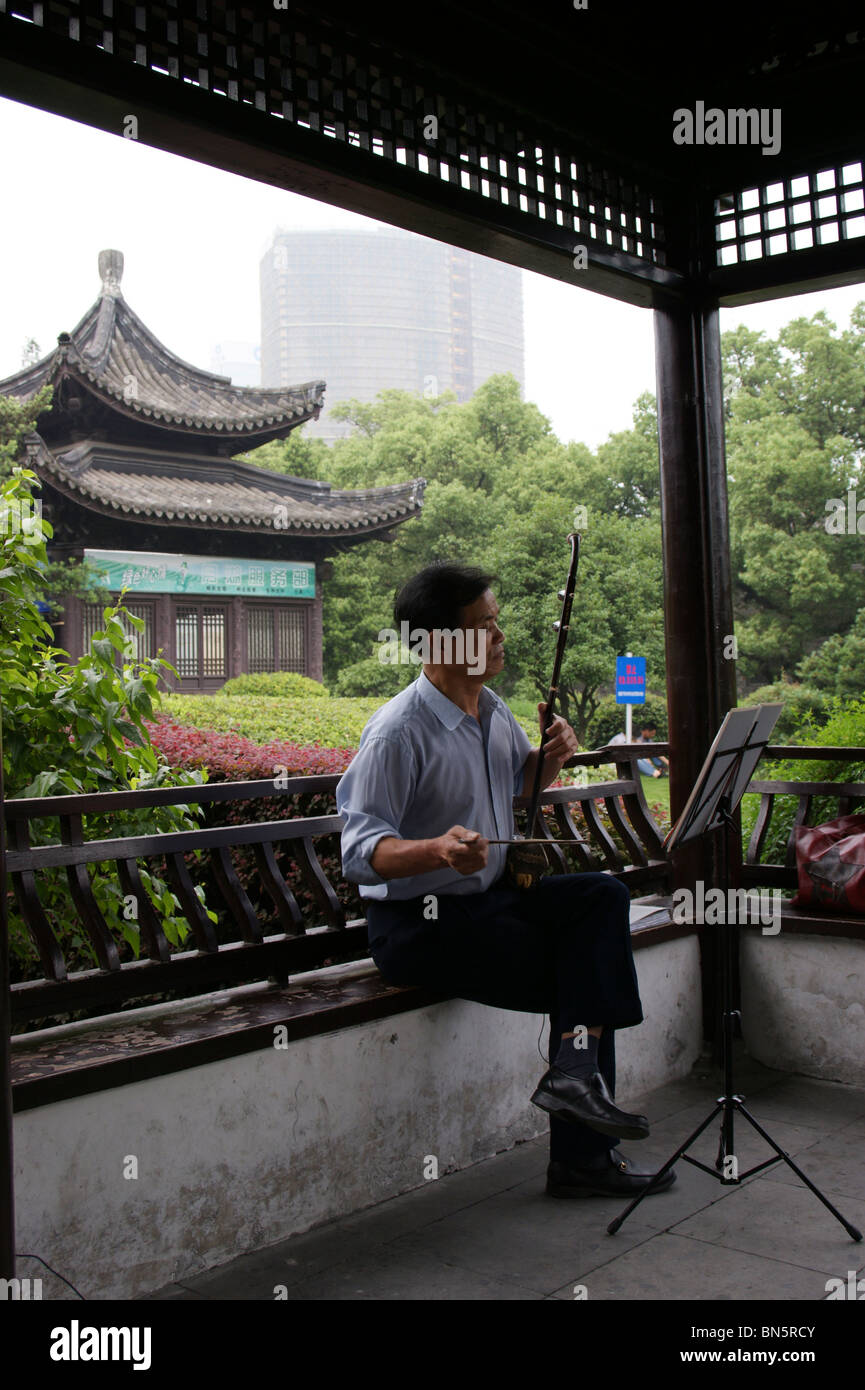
pixel 639 856
pixel 316 926
pixel 318 917
pixel 846 797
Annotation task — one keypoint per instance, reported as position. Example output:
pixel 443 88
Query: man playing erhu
pixel 430 788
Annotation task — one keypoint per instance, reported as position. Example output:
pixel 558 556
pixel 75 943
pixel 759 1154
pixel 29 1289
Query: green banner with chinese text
pixel 149 572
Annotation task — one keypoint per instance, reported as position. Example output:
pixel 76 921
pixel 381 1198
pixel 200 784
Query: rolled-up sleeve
pixel 372 797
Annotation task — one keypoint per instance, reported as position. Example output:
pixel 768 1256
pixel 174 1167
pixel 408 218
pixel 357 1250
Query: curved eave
pixel 379 520
pixel 283 417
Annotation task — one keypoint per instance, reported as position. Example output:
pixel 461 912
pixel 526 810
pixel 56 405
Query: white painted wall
pixel 242 1153
pixel 803 1004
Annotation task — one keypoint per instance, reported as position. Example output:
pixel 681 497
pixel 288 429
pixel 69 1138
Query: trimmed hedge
pixel 276 683
pixel 307 723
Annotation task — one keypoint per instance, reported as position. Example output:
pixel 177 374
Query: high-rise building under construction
pixel 372 310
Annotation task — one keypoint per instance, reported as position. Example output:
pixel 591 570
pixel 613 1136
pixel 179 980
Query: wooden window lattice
pixel 297 67
pixel 201 641
pixel 276 639
pixel 792 214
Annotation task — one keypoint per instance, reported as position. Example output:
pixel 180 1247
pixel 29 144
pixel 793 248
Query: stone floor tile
pixel 824 1105
pixel 834 1164
pixel 400 1276
pixel 536 1241
pixel 671 1266
pixel 174 1293
pixel 783 1222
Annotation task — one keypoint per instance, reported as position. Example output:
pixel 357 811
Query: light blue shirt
pixel 424 765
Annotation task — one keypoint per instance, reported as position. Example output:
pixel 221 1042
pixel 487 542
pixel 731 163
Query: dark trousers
pixel 562 948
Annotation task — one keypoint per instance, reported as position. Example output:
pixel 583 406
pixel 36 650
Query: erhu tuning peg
pixel 557 624
pixel 561 593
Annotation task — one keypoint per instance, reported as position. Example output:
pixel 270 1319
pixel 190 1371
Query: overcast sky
pixel 193 236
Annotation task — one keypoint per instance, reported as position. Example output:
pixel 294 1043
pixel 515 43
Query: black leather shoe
pixel 617 1176
pixel 587 1100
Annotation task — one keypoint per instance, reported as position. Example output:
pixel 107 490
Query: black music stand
pixel 723 779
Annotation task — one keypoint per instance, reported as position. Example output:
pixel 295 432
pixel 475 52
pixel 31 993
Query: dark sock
pixel 580 1060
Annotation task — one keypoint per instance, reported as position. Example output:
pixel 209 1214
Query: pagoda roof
pixel 117 359
pixel 201 492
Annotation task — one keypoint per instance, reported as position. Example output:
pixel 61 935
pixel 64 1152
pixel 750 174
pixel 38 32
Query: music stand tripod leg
pixel 852 1231
pixel 614 1225
pixel 711 807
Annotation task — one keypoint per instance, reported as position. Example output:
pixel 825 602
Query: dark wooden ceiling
pixel 613 74
pixel 566 114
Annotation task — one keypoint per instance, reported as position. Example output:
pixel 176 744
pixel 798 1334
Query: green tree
pixel 494 470
pixel 77 728
pixel 618 604
pixel 626 480
pixel 795 439
pixel 456 524
pixel 837 667
pixel 58 578
pixel 18 418
pixel 297 456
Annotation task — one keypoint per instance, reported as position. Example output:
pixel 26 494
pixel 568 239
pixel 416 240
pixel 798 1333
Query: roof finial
pixel 111 271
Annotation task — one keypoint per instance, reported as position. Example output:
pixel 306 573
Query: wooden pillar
pixel 237 639
pixel 69 630
pixel 314 661
pixel 163 619
pixel 701 682
pixel 68 627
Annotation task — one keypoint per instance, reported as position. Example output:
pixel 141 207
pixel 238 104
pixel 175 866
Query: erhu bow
pixel 527 859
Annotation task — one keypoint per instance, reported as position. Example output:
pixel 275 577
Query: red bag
pixel 830 862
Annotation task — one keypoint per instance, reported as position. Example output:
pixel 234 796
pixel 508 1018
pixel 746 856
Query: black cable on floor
pixel 23 1256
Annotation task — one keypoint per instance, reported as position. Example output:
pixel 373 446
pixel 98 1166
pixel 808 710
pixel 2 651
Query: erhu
pixel 527 858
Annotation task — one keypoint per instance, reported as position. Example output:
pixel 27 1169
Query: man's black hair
pixel 434 597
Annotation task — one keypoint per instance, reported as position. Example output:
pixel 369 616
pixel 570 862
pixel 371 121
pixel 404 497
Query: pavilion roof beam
pixel 196 124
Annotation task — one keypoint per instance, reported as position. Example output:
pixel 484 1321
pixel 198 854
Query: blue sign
pixel 630 680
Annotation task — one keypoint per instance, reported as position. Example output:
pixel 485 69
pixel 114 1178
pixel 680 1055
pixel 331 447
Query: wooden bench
pixel 319 919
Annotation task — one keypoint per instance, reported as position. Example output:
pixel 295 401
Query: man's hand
pixel 460 849
pixel 463 850
pixel 561 741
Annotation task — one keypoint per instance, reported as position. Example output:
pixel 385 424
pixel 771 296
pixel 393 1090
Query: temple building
pixel 224 561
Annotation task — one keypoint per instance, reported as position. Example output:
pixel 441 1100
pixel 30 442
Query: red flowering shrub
pixel 233 758
pixel 230 757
